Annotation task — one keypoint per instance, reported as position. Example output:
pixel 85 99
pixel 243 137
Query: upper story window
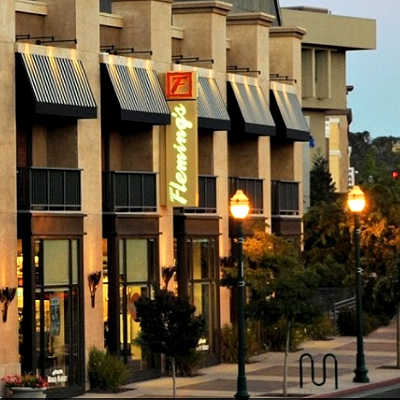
pixel 106 6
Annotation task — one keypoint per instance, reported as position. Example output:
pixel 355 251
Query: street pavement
pixel 265 373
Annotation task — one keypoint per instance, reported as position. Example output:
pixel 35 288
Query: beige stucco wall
pixel 317 125
pixel 338 152
pixel 333 30
pixel 9 360
pixel 336 81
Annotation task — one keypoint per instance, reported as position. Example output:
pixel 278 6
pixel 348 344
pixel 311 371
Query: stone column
pixel 79 19
pixel 9 360
pixel 254 53
pixel 286 60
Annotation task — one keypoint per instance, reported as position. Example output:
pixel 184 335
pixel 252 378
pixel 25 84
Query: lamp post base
pixel 361 375
pixel 242 395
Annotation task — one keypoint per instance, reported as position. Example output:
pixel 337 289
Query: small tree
pixel 288 296
pixel 169 326
pixel 322 187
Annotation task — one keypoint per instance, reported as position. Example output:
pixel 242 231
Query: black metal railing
pixel 284 198
pixel 49 189
pixel 207 196
pixel 129 191
pixel 253 188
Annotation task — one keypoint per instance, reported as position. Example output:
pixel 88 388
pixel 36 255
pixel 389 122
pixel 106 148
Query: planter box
pixel 28 393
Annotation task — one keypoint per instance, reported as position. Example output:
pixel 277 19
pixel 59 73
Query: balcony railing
pixel 207 196
pixel 285 198
pixel 129 191
pixel 253 188
pixel 49 189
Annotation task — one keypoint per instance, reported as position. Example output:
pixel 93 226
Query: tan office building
pixel 324 47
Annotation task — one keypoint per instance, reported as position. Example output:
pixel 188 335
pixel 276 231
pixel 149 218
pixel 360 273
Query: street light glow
pixel 356 200
pixel 240 205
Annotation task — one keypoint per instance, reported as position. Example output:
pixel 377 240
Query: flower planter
pixel 28 393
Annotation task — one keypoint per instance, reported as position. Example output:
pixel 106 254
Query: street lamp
pixel 356 203
pixel 239 205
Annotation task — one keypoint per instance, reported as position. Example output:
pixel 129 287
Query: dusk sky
pixel 375 74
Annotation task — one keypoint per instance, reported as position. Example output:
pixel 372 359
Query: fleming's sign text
pixel 181 184
pixel 182 159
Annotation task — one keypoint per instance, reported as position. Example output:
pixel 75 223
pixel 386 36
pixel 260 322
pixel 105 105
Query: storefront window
pixel 203 285
pixel 134 269
pixel 57 310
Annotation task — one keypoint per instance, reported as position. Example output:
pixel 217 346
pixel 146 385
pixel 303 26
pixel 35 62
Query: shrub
pixel 321 329
pixel 347 323
pixel 106 371
pixel 275 336
pixel 229 343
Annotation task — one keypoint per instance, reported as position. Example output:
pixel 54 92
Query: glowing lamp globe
pixel 356 200
pixel 240 205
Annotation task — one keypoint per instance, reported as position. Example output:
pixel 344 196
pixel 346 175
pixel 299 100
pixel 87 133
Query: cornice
pixel 295 32
pixel 251 18
pixel 201 7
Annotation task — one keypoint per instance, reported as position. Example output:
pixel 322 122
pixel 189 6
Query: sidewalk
pixel 264 373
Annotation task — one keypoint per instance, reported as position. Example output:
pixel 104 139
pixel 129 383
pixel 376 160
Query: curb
pixel 358 389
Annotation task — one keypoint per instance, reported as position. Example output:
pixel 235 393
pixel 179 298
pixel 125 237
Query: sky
pixel 375 74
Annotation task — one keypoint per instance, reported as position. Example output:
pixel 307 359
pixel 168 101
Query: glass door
pixel 136 272
pixel 203 282
pixel 59 340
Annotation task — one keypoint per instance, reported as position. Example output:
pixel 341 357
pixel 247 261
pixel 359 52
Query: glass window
pixel 136 260
pixel 56 262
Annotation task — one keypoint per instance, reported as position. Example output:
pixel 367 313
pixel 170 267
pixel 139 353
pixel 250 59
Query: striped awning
pixel 288 115
pixel 212 109
pixel 136 94
pixel 58 86
pixel 249 110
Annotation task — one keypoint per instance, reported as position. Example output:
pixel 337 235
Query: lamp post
pixel 356 203
pixel 239 205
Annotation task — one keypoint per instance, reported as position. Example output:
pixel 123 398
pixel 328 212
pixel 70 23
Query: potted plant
pixel 25 386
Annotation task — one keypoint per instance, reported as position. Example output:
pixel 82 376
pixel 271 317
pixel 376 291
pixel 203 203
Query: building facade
pixel 324 49
pixel 124 136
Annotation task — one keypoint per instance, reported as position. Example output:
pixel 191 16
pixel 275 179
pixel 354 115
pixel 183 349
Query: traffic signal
pixel 395 174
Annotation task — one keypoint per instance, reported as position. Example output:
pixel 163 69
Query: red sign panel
pixel 181 85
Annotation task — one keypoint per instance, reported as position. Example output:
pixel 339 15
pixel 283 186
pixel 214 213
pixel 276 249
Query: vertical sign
pixel 182 140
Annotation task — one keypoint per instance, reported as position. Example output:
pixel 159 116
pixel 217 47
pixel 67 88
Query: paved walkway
pixel 264 373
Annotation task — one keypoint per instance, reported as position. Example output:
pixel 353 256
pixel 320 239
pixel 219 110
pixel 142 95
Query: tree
pixel 279 284
pixel 169 326
pixel 322 187
pixel 288 296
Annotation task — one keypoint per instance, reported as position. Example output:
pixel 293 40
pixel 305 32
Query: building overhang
pixel 249 109
pixel 326 29
pixel 133 92
pixel 212 109
pixel 287 113
pixel 54 85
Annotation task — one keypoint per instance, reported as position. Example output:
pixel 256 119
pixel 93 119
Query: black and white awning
pixel 136 94
pixel 212 108
pixel 287 113
pixel 57 86
pixel 249 110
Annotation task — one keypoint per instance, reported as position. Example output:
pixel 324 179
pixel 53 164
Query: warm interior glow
pixel 356 200
pixel 240 205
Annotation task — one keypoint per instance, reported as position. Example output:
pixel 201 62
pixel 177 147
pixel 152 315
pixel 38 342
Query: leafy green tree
pixel 169 326
pixel 322 187
pixel 280 287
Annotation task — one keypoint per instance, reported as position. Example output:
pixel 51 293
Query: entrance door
pixel 136 272
pixel 58 313
pixel 203 289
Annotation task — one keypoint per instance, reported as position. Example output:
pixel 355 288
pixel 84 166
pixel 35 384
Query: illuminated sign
pixel 181 155
pixel 181 85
